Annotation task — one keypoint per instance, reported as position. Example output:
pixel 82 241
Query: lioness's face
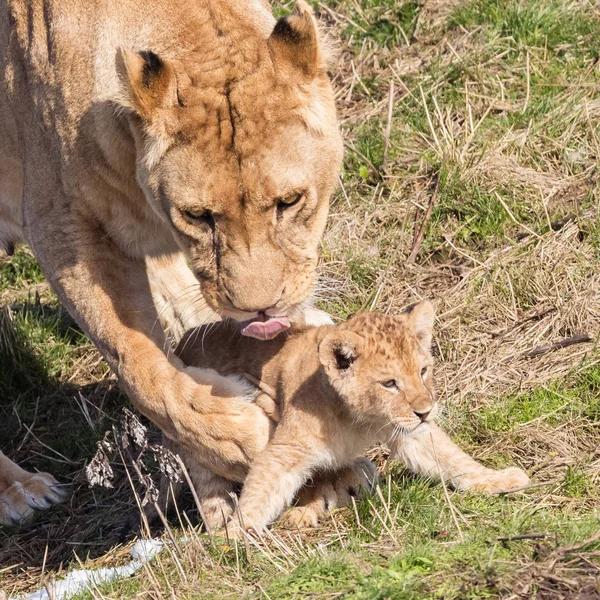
pixel 251 215
pixel 382 367
pixel 242 168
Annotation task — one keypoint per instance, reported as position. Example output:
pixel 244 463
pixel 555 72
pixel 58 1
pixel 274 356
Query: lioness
pixel 153 154
pixel 340 389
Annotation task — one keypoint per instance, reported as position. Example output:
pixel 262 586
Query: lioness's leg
pixel 11 181
pixel 215 495
pixel 21 492
pixel 110 296
pixel 432 453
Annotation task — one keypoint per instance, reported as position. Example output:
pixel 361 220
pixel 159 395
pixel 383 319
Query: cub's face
pixel 241 161
pixel 381 366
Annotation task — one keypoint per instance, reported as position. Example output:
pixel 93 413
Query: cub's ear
pixel 421 317
pixel 149 81
pixel 295 41
pixel 338 351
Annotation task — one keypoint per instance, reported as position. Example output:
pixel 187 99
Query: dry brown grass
pixel 501 178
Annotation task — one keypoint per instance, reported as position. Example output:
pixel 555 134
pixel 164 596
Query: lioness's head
pixel 381 366
pixel 239 150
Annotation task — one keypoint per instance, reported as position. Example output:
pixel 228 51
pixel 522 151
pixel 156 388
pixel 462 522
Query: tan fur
pixel 325 492
pixel 341 389
pixel 21 492
pixel 149 152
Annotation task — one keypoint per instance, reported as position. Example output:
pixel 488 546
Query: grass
pixel 492 151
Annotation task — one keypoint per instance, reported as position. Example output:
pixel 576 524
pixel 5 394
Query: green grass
pixel 548 24
pixel 447 118
pixel 554 404
pixel 433 559
pixel 45 364
pixel 497 102
pixel 22 270
pixel 387 23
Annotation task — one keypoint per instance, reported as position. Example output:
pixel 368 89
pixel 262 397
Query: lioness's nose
pixel 253 282
pixel 260 309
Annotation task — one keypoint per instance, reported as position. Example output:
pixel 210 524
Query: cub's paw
pixel 507 480
pixel 216 512
pixel 329 491
pixel 21 499
pixel 302 517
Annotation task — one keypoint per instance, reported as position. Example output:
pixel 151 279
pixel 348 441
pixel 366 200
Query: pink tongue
pixel 266 330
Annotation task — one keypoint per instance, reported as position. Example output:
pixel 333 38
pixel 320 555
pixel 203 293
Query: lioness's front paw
pixel 503 481
pixel 21 499
pixel 233 530
pixel 315 317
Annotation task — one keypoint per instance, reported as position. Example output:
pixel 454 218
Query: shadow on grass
pixel 56 401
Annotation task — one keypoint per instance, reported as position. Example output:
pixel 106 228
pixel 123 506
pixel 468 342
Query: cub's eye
pixel 288 202
pixel 390 384
pixel 424 371
pixel 201 216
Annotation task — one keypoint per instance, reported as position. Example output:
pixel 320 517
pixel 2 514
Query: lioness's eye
pixel 424 371
pixel 389 384
pixel 202 216
pixel 288 202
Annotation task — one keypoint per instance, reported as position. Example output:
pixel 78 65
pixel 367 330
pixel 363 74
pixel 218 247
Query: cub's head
pixel 381 366
pixel 239 151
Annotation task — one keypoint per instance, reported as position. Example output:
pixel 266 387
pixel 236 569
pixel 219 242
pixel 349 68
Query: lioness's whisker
pixel 170 303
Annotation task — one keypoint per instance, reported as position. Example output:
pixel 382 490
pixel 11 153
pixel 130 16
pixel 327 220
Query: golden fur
pixel 154 153
pixel 340 389
pixel 21 493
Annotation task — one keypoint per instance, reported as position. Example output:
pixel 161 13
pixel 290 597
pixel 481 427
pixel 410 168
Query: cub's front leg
pixel 430 452
pixel 330 490
pixel 276 476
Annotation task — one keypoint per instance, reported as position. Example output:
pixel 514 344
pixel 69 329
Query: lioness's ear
pixel 338 351
pixel 150 81
pixel 295 41
pixel 421 317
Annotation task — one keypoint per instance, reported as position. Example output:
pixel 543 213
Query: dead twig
pixel 577 547
pixel 528 536
pixel 419 234
pixel 533 317
pixel 388 128
pixel 579 338
pixel 373 168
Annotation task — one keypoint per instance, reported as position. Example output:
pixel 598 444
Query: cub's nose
pixel 422 415
pixel 422 406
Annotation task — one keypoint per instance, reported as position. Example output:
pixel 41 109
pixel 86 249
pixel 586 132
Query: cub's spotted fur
pixel 339 390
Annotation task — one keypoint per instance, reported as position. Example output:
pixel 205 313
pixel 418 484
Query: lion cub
pixel 341 389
